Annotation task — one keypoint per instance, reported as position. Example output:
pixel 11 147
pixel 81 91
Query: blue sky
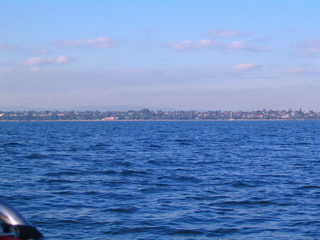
pixel 159 54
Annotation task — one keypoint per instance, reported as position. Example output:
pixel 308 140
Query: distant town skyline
pixel 146 114
pixel 184 55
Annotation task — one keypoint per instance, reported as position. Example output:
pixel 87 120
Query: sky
pixel 238 55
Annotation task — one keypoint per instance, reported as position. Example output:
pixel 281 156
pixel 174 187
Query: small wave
pixel 188 232
pixel 133 173
pixel 306 223
pixel 57 181
pixel 154 146
pixel 188 179
pixel 13 144
pixel 179 178
pixel 98 146
pixel 143 229
pixel 240 184
pixel 36 156
pixel 222 231
pixel 109 172
pixel 123 210
pixel 63 223
pixel 65 192
pixel 202 198
pixel 63 173
pixel 92 193
pixel 308 187
pixel 124 196
pixel 303 143
pixel 248 203
pixel 152 189
pixel 184 141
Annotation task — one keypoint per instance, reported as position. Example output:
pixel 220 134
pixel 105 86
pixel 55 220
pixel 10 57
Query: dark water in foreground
pixel 164 180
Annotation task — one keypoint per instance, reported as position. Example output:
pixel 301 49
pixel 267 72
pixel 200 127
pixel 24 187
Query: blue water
pixel 164 180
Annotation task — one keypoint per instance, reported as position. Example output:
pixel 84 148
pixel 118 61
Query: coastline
pixel 171 120
pixel 147 115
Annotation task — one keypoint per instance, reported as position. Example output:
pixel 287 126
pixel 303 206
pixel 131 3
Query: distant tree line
pixel 146 114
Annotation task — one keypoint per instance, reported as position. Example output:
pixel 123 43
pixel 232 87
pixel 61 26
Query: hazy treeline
pixel 146 114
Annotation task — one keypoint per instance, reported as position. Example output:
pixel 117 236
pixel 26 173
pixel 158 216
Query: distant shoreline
pixel 172 120
pixel 147 115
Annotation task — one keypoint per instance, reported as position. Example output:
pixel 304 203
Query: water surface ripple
pixel 164 180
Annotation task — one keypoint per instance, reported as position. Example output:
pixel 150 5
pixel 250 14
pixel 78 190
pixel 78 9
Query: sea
pixel 164 179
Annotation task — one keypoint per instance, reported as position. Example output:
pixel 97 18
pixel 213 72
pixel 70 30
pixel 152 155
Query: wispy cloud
pixel 301 71
pixel 37 61
pixel 33 51
pixel 243 45
pixel 100 42
pixel 245 66
pixel 7 46
pixel 35 69
pixel 190 45
pixel 311 47
pixel 9 70
pixel 225 33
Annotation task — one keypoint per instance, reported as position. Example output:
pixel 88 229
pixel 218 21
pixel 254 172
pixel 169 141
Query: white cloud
pixel 225 33
pixel 236 45
pixel 246 66
pixel 191 45
pixel 242 45
pixel 100 42
pixel 61 59
pixel 37 61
